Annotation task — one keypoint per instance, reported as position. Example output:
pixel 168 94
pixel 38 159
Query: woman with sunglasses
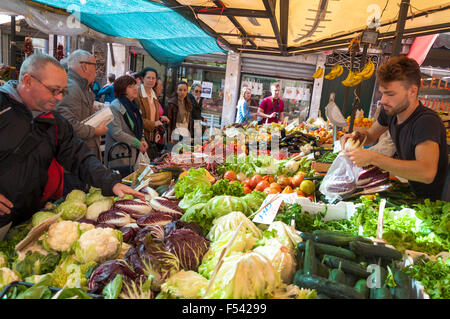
pixel 197 102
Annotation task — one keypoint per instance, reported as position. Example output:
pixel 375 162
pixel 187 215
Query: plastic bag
pixel 141 159
pixel 340 180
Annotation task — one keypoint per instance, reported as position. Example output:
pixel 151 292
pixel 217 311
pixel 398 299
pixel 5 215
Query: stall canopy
pixel 165 34
pixel 290 27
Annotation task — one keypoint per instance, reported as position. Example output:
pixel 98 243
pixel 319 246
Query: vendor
pixel 36 143
pixel 417 131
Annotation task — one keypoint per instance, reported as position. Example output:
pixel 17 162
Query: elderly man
pixel 78 104
pixel 35 142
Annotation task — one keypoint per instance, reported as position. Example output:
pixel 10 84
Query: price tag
pixel 380 219
pixel 271 206
pixel 291 126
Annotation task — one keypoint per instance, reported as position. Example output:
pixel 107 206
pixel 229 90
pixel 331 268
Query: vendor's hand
pixel 5 205
pixel 164 119
pixel 345 137
pixel 101 130
pixel 144 147
pixel 360 156
pixel 121 189
pixel 273 115
pixel 158 123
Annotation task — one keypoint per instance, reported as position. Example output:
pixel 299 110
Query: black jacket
pixel 24 181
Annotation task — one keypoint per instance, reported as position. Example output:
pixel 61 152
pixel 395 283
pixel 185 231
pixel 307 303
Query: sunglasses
pixel 197 91
pixel 91 63
pixel 53 91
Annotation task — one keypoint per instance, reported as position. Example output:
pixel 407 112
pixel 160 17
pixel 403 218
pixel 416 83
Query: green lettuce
pixel 189 183
pixel 202 194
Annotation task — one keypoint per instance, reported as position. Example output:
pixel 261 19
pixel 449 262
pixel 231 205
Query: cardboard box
pixel 128 180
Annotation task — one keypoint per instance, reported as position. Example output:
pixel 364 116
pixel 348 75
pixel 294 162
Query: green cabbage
pixel 71 210
pixel 230 222
pixel 183 285
pixel 77 196
pixel 41 217
pixel 254 200
pixel 95 197
pixel 286 235
pixel 245 276
pixel 98 207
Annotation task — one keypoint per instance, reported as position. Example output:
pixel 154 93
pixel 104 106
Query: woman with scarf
pixel 127 126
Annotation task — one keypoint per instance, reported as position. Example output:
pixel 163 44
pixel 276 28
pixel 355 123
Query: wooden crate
pixel 320 167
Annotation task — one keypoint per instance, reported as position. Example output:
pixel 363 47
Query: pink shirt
pixel 161 111
pixel 268 104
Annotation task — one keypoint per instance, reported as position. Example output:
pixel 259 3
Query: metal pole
pixel 12 58
pixel 358 89
pixel 397 45
pixel 164 88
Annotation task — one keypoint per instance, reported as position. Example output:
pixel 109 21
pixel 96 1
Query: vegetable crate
pixel 320 167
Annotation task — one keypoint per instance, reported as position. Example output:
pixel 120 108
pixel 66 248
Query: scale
pixel 334 115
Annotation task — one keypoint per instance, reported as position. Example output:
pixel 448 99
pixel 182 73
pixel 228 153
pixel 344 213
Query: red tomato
pixel 230 175
pixel 256 179
pixel 311 198
pixel 262 185
pixel 247 190
pixel 269 178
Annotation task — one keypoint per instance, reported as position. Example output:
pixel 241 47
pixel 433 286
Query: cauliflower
pixel 7 276
pixel 84 227
pixel 99 245
pixel 62 235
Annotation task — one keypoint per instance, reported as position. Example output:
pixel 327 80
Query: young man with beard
pixel 417 131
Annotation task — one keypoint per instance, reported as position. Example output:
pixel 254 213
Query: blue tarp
pixel 166 35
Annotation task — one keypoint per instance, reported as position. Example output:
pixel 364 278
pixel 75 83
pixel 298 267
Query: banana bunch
pixel 158 179
pixel 352 79
pixel 335 72
pixel 368 70
pixel 319 73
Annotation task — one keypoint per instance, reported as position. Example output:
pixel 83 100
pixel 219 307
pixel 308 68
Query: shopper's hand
pixel 164 119
pixel 5 205
pixel 121 189
pixel 144 147
pixel 158 123
pixel 101 130
pixel 273 115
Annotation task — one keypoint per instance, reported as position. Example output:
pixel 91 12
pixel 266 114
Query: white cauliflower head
pixel 62 235
pixel 98 245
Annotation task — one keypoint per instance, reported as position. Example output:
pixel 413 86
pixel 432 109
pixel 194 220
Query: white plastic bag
pixel 340 180
pixel 141 159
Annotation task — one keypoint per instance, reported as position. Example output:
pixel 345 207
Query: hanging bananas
pixel 368 70
pixel 335 72
pixel 319 73
pixel 352 79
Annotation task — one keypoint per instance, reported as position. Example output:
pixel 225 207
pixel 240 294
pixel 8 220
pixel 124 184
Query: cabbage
pixel 71 210
pixel 254 200
pixel 7 276
pixel 77 196
pixel 245 276
pixel 230 222
pixel 286 235
pixel 281 257
pixel 41 217
pixel 242 243
pixel 71 273
pixel 183 285
pixel 188 246
pixel 98 207
pixel 98 245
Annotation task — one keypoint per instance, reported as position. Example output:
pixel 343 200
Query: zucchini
pixel 309 262
pixel 306 236
pixel 324 286
pixel 337 275
pixel 361 286
pixel 382 293
pixel 347 266
pixel 403 289
pixel 322 296
pixel 350 279
pixel 376 251
pixel 322 270
pixel 336 238
pixel 325 249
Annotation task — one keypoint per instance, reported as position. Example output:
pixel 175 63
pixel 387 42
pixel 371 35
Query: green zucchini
pixel 350 279
pixel 337 275
pixel 403 288
pixel 309 262
pixel 347 266
pixel 361 286
pixel 306 236
pixel 322 270
pixel 382 293
pixel 325 249
pixel 377 251
pixel 322 296
pixel 161 189
pixel 336 238
pixel 324 286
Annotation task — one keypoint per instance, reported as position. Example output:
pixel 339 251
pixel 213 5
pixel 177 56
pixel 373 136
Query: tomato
pixel 230 175
pixel 256 179
pixel 247 190
pixel 270 190
pixel 283 181
pixel 311 198
pixel 300 193
pixel 276 186
pixel 287 190
pixel 262 185
pixel 269 178
pixel 297 180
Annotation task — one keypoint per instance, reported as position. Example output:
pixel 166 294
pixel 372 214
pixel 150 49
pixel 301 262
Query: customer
pixel 271 109
pixel 78 105
pixel 179 110
pixel 127 126
pixel 32 174
pixel 158 92
pixel 243 111
pixel 108 89
pixel 197 103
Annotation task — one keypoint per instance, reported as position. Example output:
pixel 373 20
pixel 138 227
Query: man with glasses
pixel 36 142
pixel 78 104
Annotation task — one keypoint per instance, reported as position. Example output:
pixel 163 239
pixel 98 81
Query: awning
pixel 166 35
pixel 290 27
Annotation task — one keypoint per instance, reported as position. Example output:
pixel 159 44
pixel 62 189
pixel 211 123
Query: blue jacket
pixel 108 91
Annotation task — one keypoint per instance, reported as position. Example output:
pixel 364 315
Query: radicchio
pixel 133 207
pixel 188 246
pixel 106 272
